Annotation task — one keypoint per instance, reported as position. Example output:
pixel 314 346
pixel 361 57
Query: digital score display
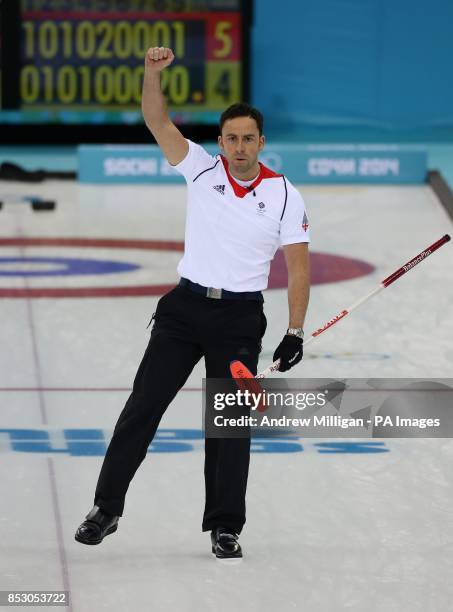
pixel 83 61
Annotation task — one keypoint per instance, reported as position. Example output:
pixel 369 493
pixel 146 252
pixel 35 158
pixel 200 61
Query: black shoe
pixel 225 543
pixel 96 527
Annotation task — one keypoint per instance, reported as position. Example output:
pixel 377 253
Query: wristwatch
pixel 295 331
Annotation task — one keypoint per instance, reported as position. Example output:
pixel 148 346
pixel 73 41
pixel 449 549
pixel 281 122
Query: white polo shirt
pixel 232 232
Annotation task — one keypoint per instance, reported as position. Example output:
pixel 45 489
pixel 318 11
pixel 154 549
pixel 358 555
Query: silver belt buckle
pixel 212 292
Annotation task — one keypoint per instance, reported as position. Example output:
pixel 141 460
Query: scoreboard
pixel 82 61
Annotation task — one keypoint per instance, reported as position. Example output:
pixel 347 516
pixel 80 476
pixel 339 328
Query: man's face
pixel 241 142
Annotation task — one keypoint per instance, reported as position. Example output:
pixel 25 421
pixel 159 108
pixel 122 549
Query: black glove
pixel 289 351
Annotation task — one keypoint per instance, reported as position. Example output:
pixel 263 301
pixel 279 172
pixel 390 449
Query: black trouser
pixel 187 327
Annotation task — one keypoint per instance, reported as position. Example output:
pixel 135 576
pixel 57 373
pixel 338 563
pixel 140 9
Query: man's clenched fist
pixel 158 58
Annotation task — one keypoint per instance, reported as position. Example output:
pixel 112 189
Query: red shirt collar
pixel 241 191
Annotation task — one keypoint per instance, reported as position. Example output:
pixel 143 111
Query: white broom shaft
pixel 385 283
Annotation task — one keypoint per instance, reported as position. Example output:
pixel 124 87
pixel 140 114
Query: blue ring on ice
pixel 67 266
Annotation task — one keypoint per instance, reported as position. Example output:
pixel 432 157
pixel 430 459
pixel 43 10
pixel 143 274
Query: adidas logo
pixel 220 189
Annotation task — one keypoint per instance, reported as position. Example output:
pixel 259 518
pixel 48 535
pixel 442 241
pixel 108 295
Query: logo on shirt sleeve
pixel 305 222
pixel 220 189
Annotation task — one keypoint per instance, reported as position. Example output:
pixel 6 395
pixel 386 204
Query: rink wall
pixel 317 164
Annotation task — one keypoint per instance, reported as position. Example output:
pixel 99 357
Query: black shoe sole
pixel 110 530
pixel 235 557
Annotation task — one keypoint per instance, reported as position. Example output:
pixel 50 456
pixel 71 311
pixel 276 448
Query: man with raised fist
pixel 238 213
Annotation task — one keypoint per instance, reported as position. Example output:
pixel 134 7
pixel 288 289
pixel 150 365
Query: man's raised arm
pixel 154 107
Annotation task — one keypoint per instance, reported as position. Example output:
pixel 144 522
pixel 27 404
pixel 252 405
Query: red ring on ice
pixel 325 268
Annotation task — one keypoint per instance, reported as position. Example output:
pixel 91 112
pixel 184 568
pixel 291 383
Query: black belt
pixel 220 294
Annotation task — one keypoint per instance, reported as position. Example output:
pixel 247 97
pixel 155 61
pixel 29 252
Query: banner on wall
pixel 315 164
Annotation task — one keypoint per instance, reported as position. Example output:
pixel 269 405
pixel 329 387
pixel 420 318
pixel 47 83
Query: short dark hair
pixel 242 109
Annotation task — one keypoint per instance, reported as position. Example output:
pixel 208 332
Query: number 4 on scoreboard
pixel 223 84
